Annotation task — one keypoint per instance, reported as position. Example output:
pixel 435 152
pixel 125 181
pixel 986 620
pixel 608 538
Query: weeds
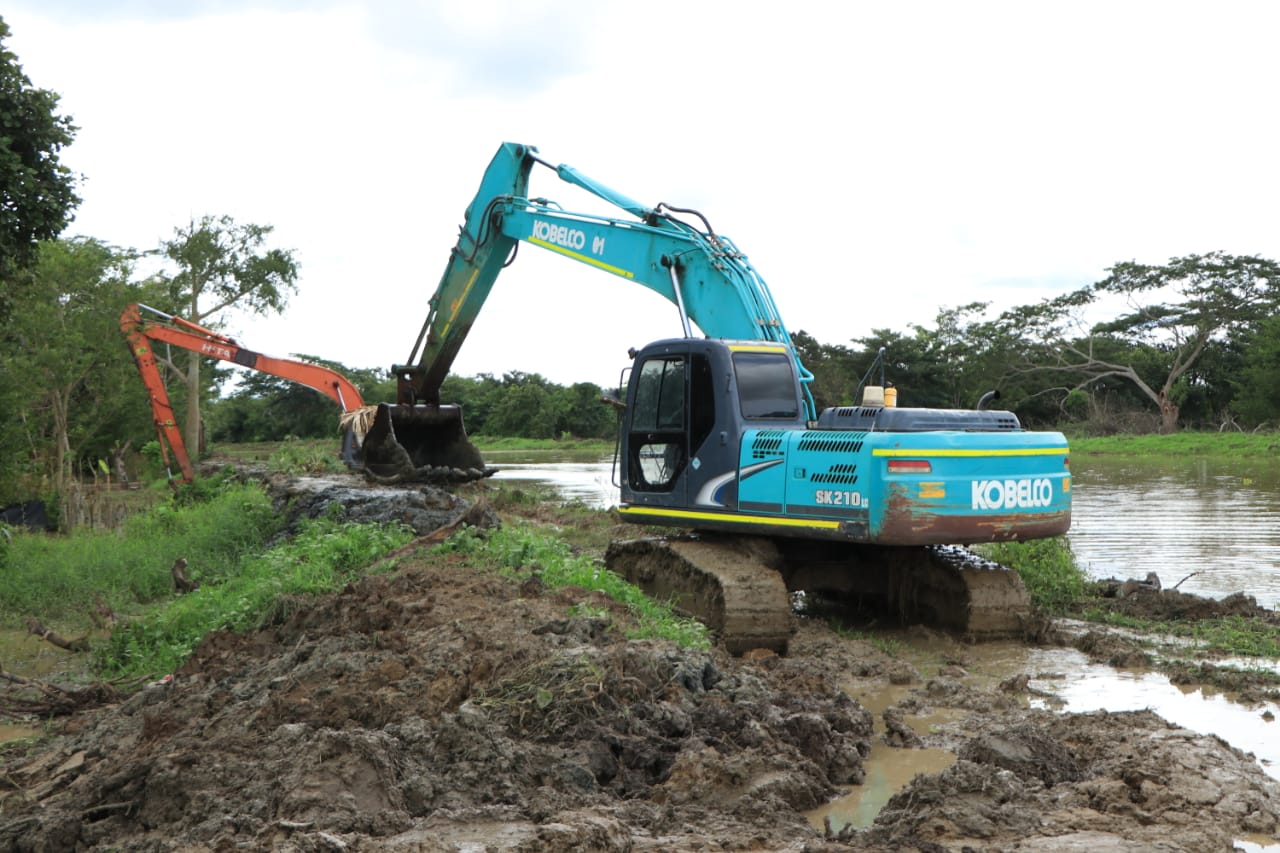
pixel 324 556
pixel 1054 581
pixel 516 549
pixel 295 457
pixel 1235 636
pixel 59 578
pixel 891 646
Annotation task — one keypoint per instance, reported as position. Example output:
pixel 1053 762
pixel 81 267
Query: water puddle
pixel 590 482
pixel 25 654
pixel 888 768
pixel 16 731
pixel 1069 682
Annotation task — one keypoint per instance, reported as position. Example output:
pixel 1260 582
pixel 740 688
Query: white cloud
pixel 876 161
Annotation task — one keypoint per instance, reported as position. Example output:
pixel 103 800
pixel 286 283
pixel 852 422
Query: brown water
pixel 1219 519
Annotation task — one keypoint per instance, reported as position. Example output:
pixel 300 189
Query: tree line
pixel 516 404
pixel 1191 343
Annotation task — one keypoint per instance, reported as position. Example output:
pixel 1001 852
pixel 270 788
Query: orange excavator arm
pixel 141 335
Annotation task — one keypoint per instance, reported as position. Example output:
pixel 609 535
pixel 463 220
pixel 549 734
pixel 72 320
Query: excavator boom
pixel 143 334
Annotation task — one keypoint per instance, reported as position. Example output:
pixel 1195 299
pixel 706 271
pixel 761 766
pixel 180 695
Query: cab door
pixel 657 432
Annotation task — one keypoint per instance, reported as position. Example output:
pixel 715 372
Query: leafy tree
pixel 1257 388
pixel 37 192
pixel 833 369
pixel 527 407
pixel 221 264
pixel 1173 311
pixel 585 416
pixel 79 391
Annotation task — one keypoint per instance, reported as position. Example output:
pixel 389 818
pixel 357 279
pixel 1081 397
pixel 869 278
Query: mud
pixel 447 709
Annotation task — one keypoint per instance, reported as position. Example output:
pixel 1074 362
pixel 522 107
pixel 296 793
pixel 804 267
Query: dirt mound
pixel 435 707
pixel 1102 782
pixel 1145 599
pixel 445 708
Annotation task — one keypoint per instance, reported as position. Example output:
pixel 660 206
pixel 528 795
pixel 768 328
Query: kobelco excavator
pixel 718 436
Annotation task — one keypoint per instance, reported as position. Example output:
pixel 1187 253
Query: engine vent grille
pixel 826 442
pixel 845 474
pixel 767 444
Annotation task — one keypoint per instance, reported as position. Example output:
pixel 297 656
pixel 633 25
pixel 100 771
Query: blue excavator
pixel 719 440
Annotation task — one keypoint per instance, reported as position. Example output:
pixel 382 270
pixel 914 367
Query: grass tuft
pixel 1048 568
pixel 517 548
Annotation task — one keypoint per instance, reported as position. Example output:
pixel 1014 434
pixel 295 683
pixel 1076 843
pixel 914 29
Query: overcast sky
pixel 877 161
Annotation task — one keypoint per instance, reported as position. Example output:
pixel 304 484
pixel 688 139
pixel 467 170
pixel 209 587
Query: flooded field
pixel 1217 521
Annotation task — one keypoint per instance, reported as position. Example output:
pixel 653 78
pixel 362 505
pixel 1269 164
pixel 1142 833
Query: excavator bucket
pixel 420 443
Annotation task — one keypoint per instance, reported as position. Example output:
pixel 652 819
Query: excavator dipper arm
pixel 142 335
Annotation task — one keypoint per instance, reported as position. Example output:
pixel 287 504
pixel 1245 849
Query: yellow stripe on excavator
pixel 922 451
pixel 770 521
pixel 583 258
pixel 755 348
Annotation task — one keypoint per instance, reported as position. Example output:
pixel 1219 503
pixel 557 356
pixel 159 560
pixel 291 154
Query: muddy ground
pixel 442 708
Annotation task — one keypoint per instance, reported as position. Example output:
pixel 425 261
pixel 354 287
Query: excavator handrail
pixel 190 336
pixel 703 273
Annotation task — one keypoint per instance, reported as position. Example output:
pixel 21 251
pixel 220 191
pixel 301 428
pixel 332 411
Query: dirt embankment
pixel 447 709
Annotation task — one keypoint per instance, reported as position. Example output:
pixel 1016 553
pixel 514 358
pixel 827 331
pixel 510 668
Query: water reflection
pixel 590 482
pixel 1218 521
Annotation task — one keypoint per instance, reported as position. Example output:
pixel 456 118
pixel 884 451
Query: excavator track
pixel 731 584
pixel 742 586
pixel 945 587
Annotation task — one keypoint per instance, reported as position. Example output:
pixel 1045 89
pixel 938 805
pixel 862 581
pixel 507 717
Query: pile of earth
pixel 445 708
pixel 1147 600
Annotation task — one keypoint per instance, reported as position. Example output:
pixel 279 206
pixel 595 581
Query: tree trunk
pixel 1168 414
pixel 192 427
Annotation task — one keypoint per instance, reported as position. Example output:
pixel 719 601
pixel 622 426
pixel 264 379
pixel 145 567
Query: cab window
pixel 766 385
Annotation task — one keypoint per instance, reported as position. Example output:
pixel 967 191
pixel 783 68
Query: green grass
pixel 518 548
pixel 1234 444
pixel 1225 635
pixel 298 457
pixel 56 578
pixel 324 556
pixel 1054 581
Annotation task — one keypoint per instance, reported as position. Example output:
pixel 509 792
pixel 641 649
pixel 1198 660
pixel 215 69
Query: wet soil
pixel 445 708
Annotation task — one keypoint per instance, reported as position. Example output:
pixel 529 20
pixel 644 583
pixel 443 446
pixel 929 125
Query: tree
pixel 221 264
pixel 1174 310
pixel 37 192
pixel 78 392
pixel 832 366
pixel 1257 388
